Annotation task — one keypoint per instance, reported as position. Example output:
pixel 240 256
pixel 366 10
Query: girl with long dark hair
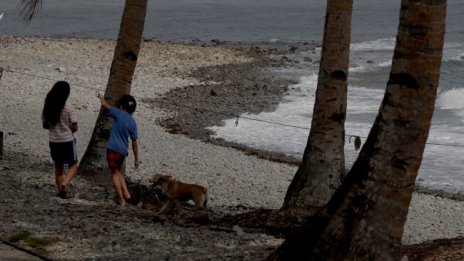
pixel 60 119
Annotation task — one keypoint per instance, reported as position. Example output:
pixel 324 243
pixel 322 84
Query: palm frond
pixel 29 8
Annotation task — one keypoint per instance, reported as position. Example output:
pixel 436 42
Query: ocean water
pixel 374 27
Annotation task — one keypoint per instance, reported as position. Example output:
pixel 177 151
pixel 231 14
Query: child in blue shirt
pixel 124 127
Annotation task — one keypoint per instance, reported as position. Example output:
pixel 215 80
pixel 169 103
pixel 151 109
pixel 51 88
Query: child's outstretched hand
pixel 101 97
pixel 104 104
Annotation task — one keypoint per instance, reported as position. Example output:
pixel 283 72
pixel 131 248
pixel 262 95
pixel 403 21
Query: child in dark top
pixel 124 126
pixel 60 119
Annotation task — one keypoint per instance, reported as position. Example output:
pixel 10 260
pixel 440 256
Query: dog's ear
pixel 168 178
pixel 156 178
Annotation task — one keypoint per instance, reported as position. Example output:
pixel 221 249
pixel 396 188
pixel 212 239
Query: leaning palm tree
pixel 323 166
pixel 119 83
pixel 364 219
pixel 29 8
pixel 120 78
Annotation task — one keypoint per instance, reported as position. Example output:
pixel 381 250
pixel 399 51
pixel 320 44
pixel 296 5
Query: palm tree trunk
pixel 323 166
pixel 93 163
pixel 364 220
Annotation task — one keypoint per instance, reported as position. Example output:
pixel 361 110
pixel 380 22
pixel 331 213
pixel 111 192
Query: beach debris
pixel 1 16
pixel 307 59
pixel 216 41
pixel 1 72
pixel 238 230
pixel 213 93
pixel 357 142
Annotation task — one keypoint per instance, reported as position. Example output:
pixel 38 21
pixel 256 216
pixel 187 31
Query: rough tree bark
pixel 323 166
pixel 364 219
pixel 93 163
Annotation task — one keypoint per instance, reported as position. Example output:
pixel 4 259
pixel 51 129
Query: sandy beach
pixel 170 79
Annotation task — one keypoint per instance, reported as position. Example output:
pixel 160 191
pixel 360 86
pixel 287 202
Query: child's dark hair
pixel 127 103
pixel 54 103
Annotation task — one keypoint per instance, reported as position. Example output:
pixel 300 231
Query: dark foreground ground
pixel 252 88
pixel 89 226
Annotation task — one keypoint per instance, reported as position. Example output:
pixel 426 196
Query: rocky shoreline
pixel 227 91
pixel 89 226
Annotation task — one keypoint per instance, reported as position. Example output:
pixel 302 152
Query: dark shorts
pixel 115 159
pixel 63 152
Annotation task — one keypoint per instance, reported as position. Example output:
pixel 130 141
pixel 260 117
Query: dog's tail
pixel 205 201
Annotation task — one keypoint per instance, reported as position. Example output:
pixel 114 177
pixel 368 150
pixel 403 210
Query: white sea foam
pixel 459 57
pixel 375 45
pixel 364 100
pixel 386 64
pixel 442 152
pixel 297 112
pixel 370 67
pixel 451 100
pixel 274 40
pixel 453 52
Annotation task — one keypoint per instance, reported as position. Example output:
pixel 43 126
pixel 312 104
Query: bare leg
pixel 72 170
pixel 125 191
pixel 118 187
pixel 59 177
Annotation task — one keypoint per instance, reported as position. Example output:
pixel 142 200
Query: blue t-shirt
pixel 124 126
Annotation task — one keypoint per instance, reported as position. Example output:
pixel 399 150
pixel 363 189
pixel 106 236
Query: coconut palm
pixel 29 8
pixel 120 78
pixel 364 219
pixel 119 83
pixel 323 166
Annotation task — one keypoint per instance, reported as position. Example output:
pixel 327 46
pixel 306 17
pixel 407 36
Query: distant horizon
pixel 205 20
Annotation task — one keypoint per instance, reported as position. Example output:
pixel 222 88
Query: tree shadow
pixel 233 219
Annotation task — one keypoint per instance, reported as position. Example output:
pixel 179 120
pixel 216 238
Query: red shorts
pixel 115 159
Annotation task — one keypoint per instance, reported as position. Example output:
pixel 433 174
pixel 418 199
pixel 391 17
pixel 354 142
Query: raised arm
pixel 104 104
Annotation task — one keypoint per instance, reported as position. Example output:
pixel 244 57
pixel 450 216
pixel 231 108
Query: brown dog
pixel 179 191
